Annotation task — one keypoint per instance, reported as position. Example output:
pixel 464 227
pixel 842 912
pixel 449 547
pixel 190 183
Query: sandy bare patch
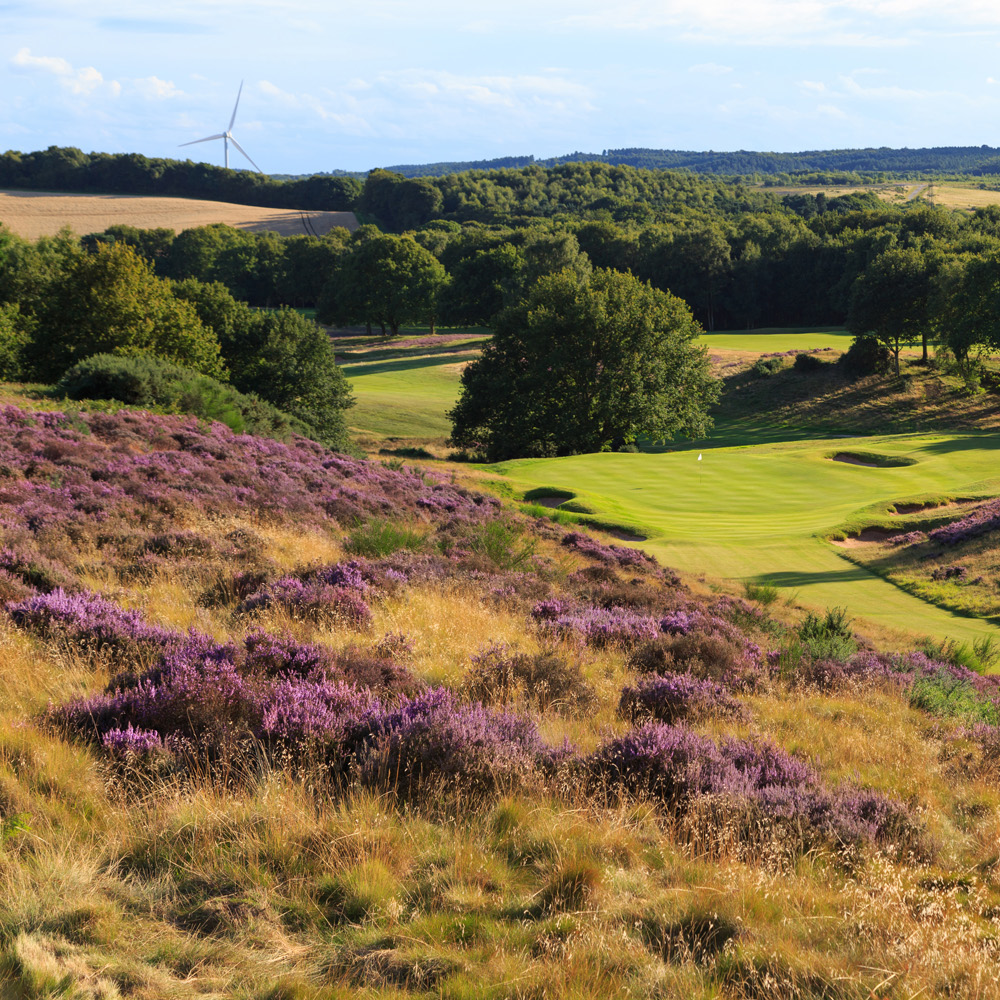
pixel 624 536
pixel 31 214
pixel 916 508
pixel 549 501
pixel 870 536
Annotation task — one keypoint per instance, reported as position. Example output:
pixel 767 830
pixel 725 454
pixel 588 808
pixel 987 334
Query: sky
pixel 333 85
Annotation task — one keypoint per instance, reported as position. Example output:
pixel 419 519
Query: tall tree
pixel 110 302
pixel 584 366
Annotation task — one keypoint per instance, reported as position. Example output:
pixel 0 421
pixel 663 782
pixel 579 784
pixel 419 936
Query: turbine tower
pixel 227 136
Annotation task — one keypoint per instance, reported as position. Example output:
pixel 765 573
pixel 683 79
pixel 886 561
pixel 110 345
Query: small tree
pixel 585 366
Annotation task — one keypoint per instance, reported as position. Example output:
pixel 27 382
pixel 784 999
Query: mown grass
pixel 763 512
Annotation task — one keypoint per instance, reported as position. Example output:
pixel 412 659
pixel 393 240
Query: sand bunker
pixel 870 461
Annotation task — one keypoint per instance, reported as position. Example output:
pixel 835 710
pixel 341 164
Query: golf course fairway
pixel 760 512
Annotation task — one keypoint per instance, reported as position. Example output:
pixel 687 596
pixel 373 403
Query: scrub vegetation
pixel 255 742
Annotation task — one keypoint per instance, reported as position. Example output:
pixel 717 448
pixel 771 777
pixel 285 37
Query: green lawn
pixel 741 511
pixel 769 339
pixel 760 511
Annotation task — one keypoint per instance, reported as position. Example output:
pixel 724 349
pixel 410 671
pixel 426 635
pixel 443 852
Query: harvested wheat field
pixel 31 214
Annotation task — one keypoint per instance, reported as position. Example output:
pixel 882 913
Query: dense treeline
pixel 70 169
pixel 740 259
pixel 576 189
pixel 64 301
pixel 839 166
pixel 465 249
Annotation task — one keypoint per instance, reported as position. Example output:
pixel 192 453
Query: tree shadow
pixel 404 364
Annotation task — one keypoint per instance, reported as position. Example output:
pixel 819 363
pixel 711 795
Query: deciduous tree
pixel 585 366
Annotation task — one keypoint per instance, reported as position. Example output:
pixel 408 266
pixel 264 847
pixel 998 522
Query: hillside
pixel 31 214
pixel 281 723
pixel 907 162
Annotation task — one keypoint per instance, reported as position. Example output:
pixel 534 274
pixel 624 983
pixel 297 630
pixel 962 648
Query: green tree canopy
pixel 585 366
pixel 111 302
pixel 889 300
pixel 383 279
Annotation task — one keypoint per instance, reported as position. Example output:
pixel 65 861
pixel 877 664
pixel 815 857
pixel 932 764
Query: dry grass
pixel 960 197
pixel 281 889
pixel 31 214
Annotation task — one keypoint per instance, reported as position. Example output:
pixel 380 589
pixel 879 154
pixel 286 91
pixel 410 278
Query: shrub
pixel 808 363
pixel 145 380
pixel 433 739
pixel 382 537
pixel 866 356
pixel 766 367
pixel 598 627
pixel 679 767
pixel 677 697
pixel 501 675
pixel 762 593
pixel 829 637
pixel 312 600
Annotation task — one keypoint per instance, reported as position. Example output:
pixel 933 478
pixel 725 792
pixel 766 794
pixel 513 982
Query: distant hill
pixel 846 164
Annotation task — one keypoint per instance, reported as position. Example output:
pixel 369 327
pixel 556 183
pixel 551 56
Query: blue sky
pixel 357 85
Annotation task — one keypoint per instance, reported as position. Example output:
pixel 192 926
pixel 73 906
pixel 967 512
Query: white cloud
pixel 710 69
pixel 154 88
pixel 83 81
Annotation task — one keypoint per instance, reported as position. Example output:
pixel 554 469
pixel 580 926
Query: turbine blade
pixel 244 152
pixel 208 138
pixel 235 106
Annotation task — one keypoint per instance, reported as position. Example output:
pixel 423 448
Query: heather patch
pixel 312 600
pixel 434 739
pixel 91 622
pixel 677 767
pixel 597 627
pixel 983 519
pixel 611 555
pixel 704 645
pixel 676 698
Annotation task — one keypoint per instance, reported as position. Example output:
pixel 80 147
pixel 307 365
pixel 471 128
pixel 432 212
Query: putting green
pixel 760 511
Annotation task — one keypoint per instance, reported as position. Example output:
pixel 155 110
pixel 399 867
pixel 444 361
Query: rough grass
pixel 278 888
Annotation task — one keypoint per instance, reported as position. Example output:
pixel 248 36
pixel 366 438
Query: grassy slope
pixel 279 889
pixel 761 512
pixel 404 393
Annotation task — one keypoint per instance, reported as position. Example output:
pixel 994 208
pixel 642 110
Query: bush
pixel 766 367
pixel 677 697
pixel 145 380
pixel 829 637
pixel 866 356
pixel 807 363
pixel 380 537
pixel 14 339
pixel 500 675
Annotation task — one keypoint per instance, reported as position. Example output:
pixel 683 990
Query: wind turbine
pixel 227 136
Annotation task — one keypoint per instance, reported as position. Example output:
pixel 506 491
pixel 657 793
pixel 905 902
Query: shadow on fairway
pixel 849 574
pixel 967 442
pixel 391 354
pixel 405 364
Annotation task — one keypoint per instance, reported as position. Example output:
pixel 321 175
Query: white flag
pixel 699 457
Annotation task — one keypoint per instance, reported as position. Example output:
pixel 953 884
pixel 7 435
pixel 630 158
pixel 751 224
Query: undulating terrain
pixel 283 723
